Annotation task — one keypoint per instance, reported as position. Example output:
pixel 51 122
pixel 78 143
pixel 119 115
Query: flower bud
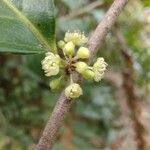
pixel 81 67
pixel 54 84
pixel 61 44
pixel 69 49
pixel 88 74
pixel 73 91
pixel 83 53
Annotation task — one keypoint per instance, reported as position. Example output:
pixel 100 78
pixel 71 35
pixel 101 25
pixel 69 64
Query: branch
pixel 63 104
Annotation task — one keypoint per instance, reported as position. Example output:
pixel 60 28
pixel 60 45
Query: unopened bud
pixel 88 74
pixel 54 84
pixel 69 49
pixel 81 67
pixel 83 53
pixel 61 44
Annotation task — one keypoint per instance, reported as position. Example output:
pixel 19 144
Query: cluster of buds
pixel 73 58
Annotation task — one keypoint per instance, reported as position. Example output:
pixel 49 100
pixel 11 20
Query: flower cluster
pixel 73 58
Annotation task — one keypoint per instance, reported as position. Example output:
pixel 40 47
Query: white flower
pixel 50 64
pixel 73 91
pixel 99 68
pixel 76 37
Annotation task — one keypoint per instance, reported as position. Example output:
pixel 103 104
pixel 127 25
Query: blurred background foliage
pixel 95 121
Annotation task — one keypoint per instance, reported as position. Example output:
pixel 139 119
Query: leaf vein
pixel 29 25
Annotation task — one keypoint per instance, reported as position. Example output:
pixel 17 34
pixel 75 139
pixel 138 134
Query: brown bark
pixel 63 105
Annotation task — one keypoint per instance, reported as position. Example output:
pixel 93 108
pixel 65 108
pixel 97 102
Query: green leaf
pixel 146 3
pixel 27 26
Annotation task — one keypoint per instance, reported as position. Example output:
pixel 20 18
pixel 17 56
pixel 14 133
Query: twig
pixel 63 104
pixel 132 98
pixel 81 11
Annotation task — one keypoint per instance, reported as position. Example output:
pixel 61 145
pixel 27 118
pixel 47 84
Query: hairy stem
pixel 63 105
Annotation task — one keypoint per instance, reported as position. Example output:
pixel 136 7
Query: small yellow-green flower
pixel 73 91
pixel 69 49
pixel 76 37
pixel 88 74
pixel 81 66
pixel 83 53
pixel 99 68
pixel 61 44
pixel 50 64
pixel 54 84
